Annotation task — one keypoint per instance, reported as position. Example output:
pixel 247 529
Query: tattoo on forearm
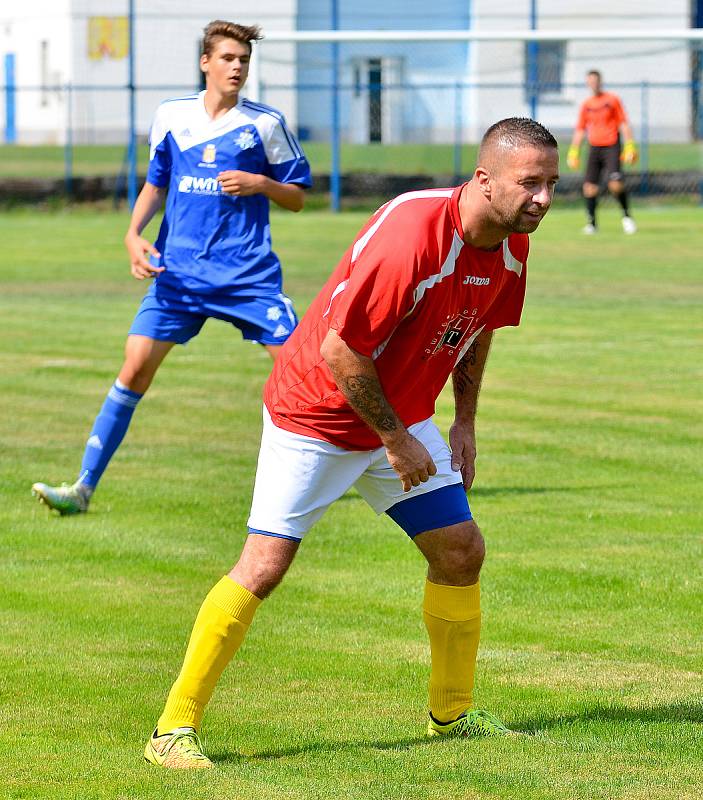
pixel 462 378
pixel 367 399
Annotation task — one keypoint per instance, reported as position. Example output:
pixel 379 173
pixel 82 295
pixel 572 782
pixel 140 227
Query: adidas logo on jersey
pixel 195 185
pixel 95 442
pixel 473 280
pixel 281 330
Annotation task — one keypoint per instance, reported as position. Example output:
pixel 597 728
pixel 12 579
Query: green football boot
pixel 177 749
pixel 65 499
pixel 471 723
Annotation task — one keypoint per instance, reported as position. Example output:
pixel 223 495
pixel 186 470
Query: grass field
pixel 405 159
pixel 589 494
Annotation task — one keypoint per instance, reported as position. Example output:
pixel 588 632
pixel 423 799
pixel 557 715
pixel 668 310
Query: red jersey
pixel 411 295
pixel 601 117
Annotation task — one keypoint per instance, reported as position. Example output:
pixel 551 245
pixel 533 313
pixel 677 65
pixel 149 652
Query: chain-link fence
pixel 375 116
pixel 392 138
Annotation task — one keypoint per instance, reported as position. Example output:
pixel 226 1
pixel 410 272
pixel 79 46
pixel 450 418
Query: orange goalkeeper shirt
pixel 601 116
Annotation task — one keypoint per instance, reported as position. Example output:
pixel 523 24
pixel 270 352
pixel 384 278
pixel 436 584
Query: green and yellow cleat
pixel 65 499
pixel 177 749
pixel 472 723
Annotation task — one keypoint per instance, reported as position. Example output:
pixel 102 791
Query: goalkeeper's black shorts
pixel 603 160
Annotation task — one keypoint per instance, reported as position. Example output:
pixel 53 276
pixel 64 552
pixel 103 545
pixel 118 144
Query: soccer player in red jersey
pixel 602 118
pixel 414 300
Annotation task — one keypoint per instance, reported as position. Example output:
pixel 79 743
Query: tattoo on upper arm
pixel 367 398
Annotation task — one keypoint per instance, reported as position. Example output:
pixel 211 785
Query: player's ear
pixel 203 63
pixel 483 180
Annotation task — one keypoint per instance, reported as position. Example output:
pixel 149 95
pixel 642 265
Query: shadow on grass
pixel 316 747
pixel 533 727
pixel 495 491
pixel 681 711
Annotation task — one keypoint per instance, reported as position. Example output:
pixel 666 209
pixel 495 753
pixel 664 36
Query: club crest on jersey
pixel 452 332
pixel 245 140
pixel 209 153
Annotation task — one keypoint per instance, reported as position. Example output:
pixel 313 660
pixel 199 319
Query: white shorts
pixel 299 477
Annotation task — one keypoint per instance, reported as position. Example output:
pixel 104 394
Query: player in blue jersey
pixel 217 159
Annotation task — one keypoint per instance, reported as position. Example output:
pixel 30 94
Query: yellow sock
pixel 219 629
pixel 453 620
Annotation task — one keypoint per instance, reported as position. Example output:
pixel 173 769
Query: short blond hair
pixel 221 29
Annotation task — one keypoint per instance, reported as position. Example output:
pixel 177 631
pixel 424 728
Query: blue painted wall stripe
pixel 10 94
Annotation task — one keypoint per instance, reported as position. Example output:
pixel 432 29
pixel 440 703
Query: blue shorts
pixel 170 317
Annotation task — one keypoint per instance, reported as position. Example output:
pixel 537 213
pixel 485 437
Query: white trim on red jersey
pixel 509 260
pixel 361 243
pixel 340 287
pixel 468 344
pixel 445 271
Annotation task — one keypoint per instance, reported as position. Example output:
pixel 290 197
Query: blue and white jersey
pixel 212 242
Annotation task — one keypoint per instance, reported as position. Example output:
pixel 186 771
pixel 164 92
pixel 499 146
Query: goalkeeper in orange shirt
pixel 602 118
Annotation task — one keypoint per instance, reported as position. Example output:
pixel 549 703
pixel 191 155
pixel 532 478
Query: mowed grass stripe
pixel 588 492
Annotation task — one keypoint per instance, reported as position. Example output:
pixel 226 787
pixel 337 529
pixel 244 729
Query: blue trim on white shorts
pixel 275 535
pixel 440 508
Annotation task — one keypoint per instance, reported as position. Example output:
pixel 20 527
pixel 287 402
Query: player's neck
pixel 478 230
pixel 217 104
pixel 483 238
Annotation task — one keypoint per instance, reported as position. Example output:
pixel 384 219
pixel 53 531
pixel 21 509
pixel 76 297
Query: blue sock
pixel 108 432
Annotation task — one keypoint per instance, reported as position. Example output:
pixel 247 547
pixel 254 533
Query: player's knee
pixel 263 564
pixel 137 378
pixel 616 187
pixel 590 190
pixel 459 562
pixel 469 560
pixel 260 579
pixel 137 372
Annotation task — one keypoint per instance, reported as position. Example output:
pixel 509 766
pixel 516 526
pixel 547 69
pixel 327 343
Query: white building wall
pixel 39 113
pixel 167 36
pixel 667 112
pixel 167 39
pixel 168 32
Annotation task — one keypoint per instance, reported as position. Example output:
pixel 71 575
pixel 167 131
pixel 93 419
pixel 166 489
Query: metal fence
pixel 364 139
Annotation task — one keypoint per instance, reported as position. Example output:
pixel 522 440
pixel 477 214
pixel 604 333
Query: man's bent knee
pixel 143 357
pixel 263 563
pixel 590 189
pixel 454 554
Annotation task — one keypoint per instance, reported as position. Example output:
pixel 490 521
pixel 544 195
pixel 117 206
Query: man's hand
pixel 629 153
pixel 410 459
pixel 138 248
pixel 572 157
pixel 241 184
pixel 462 441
